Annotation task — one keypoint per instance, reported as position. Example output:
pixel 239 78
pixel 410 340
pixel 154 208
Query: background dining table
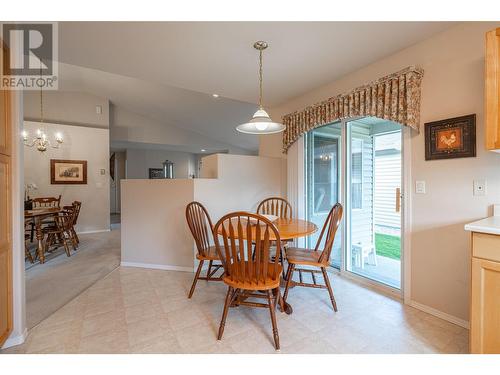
pixel 37 215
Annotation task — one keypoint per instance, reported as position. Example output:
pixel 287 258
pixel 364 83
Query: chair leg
pixel 32 231
pixel 280 300
pixel 209 269
pixel 289 276
pixel 66 247
pixel 272 311
pixel 200 266
pixel 75 235
pixel 229 297
pixel 27 254
pixel 327 282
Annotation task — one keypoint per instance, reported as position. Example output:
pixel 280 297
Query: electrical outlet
pixel 420 187
pixel 479 187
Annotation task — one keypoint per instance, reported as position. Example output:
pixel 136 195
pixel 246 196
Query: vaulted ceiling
pixel 169 70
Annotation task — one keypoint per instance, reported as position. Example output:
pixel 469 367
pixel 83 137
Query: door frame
pixel 405 290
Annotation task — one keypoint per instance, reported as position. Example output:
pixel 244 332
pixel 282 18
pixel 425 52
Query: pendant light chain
pixel 260 79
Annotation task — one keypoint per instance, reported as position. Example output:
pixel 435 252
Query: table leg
pixel 39 238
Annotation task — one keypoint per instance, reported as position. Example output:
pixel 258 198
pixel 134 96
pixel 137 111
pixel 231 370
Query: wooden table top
pixel 42 211
pixel 290 229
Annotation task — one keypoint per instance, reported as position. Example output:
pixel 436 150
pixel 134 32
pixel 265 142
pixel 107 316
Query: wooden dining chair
pixel 275 206
pixel 74 211
pixel 249 270
pixel 60 232
pixel 201 228
pixel 315 257
pixel 279 207
pixel 44 202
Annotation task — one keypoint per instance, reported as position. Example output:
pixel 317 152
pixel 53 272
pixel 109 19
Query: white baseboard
pixel 15 340
pixel 94 231
pixel 157 266
pixel 440 314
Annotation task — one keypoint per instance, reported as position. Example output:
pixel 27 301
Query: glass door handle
pixel 398 199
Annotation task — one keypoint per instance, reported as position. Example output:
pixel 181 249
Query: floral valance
pixel 395 97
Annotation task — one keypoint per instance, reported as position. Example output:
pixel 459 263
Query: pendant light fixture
pixel 260 123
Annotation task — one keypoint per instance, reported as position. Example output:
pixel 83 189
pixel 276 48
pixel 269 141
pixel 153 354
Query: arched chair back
pixel 201 227
pixel 275 206
pixel 329 230
pixel 243 241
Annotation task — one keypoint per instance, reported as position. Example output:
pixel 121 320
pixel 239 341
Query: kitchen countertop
pixel 490 225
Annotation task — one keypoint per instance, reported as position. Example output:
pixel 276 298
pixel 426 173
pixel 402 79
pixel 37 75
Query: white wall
pixel 453 85
pixel 140 160
pixel 80 143
pixel 154 229
pixel 69 108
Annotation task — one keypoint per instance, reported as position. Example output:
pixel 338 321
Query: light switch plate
pixel 479 187
pixel 420 187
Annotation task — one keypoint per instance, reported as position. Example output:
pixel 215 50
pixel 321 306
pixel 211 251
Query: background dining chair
pixel 275 206
pixel 315 257
pixel 74 210
pixel 60 232
pixel 279 207
pixel 46 202
pixel 201 228
pixel 249 270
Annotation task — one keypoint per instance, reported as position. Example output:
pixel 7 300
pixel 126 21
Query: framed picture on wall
pixel 68 172
pixel 451 138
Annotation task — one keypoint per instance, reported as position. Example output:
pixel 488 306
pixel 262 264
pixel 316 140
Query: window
pixel 357 173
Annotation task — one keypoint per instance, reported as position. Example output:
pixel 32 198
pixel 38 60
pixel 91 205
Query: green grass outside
pixel 388 246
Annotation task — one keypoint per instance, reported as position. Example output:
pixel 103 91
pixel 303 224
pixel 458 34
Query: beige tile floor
pixel 146 311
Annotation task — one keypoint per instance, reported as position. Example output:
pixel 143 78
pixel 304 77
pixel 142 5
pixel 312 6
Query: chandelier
pixel 260 123
pixel 41 140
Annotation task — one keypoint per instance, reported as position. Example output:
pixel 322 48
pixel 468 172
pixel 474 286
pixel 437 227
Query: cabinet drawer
pixel 486 246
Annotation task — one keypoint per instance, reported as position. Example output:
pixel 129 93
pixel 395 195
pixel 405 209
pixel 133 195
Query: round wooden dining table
pixel 288 229
pixel 37 215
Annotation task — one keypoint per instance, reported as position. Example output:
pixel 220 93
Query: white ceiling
pixel 168 70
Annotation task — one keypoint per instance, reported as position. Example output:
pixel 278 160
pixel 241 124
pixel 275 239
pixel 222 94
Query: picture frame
pixel 451 138
pixel 156 173
pixel 68 172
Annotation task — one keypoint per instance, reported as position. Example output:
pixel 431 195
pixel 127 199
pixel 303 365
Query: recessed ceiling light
pixel 215 95
pixel 203 150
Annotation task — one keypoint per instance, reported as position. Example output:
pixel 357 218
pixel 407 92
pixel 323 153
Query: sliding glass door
pixel 323 150
pixel 359 163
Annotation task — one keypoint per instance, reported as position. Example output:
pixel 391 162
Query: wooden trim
pixel 53 172
pixel 492 89
pixel 6 282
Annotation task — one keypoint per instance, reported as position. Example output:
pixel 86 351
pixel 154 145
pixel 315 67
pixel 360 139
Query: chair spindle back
pixel 245 249
pixel 331 225
pixel 200 225
pixel 275 206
